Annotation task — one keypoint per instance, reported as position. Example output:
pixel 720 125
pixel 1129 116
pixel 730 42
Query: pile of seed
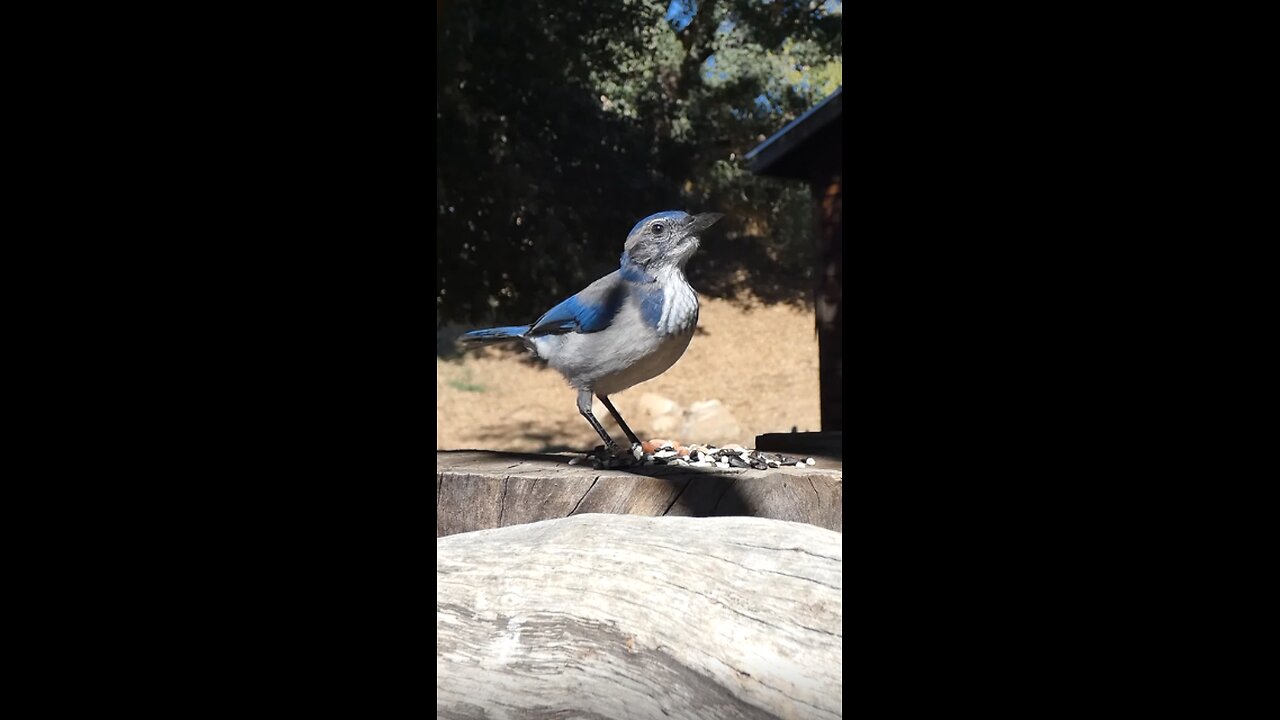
pixel 667 452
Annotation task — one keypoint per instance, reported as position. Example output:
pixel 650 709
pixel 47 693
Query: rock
pixel 658 415
pixel 711 422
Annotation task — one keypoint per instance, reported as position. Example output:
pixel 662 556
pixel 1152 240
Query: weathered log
pixel 478 490
pixel 613 616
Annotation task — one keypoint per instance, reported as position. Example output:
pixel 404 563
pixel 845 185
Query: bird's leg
pixel 584 407
pixel 614 412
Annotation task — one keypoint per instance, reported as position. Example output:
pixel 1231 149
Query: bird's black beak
pixel 702 222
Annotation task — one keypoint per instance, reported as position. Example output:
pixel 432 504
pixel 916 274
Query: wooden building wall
pixel 828 300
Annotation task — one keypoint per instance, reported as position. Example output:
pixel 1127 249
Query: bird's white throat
pixel 679 302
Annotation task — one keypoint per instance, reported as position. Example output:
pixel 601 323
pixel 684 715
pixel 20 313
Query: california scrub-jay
pixel 627 327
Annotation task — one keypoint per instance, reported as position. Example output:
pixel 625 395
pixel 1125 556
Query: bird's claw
pixel 613 456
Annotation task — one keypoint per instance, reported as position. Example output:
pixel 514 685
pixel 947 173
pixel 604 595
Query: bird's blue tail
pixel 488 336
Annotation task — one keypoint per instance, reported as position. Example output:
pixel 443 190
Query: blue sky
pixel 681 13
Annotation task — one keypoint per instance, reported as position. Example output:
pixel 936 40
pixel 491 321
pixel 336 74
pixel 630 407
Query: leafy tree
pixel 559 123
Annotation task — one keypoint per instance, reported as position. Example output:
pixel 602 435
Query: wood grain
pixel 624 616
pixel 479 490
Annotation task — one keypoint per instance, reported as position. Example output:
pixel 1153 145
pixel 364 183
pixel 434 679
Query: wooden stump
pixel 607 616
pixel 478 490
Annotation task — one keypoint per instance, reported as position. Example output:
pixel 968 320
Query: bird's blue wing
pixel 589 311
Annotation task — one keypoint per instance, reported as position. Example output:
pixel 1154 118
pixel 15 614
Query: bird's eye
pixel 658 228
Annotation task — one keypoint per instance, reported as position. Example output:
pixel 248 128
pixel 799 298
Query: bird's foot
pixel 612 456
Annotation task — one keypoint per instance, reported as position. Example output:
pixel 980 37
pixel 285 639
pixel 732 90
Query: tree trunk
pixel 607 616
pixel 478 490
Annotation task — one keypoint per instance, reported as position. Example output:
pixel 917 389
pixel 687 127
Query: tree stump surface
pixel 617 616
pixel 479 490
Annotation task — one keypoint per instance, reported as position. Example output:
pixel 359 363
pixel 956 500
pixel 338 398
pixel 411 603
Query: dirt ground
pixel 760 361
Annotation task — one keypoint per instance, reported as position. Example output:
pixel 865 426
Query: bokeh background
pixel 559 124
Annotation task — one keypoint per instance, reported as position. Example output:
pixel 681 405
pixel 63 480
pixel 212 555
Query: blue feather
pixel 578 315
pixel 676 215
pixel 651 306
pixel 633 271
pixel 488 335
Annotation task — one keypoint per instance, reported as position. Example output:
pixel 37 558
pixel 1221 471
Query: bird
pixel 627 327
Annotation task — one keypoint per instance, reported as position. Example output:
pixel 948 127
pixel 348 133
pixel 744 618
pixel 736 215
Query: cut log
pixel 478 490
pixel 610 616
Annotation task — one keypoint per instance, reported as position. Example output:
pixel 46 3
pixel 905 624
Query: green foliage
pixel 465 384
pixel 562 122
